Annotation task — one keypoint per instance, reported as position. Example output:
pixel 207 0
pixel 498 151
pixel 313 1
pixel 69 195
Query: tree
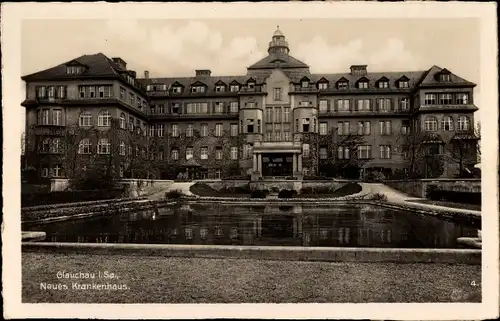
pixel 462 150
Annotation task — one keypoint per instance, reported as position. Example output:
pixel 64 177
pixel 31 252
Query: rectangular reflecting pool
pixel 215 224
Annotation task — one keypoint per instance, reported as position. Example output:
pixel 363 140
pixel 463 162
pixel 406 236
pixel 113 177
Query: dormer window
pixel 342 85
pixel 74 70
pixel 251 85
pixel 220 88
pixel 198 89
pixel 234 88
pixel 403 84
pixel 130 80
pixel 383 84
pixel 323 85
pixel 445 77
pixel 362 84
pixel 177 89
pixel 305 84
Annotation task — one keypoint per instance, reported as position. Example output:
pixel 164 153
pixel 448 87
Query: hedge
pixel 48 198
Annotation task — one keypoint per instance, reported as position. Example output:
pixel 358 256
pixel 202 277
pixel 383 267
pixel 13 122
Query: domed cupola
pixel 278 44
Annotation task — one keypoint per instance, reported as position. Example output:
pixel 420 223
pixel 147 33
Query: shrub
pixel 379 197
pixel 286 193
pixel 260 193
pixel 174 194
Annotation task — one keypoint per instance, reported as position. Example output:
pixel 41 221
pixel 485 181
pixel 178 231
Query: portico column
pixel 259 163
pixel 294 163
pixel 255 169
pixel 299 162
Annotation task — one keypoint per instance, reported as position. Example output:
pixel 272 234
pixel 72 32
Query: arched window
pixel 84 146
pixel 122 148
pixel 123 121
pixel 104 119
pixel 463 123
pixel 104 147
pixel 45 148
pixel 447 123
pixel 431 124
pixel 85 119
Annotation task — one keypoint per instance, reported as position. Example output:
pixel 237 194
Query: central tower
pixel 278 44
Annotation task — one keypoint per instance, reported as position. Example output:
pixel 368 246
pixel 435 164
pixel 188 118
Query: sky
pixel 168 48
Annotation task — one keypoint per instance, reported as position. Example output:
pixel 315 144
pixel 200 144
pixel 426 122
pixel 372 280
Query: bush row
pixel 79 204
pixel 435 194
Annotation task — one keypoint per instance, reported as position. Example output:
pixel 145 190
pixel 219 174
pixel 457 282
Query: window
pixel 323 128
pixel 342 85
pixel 57 171
pixel 160 129
pixel 384 104
pixel 204 130
pixel 233 107
pixel 234 130
pixel 104 118
pixel 364 152
pixel 85 119
pixel 160 154
pixel 219 108
pixel 152 130
pixel 176 108
pixel 73 70
pixel 286 115
pixel 343 128
pixel 250 104
pixel 104 146
pixel 122 148
pixel 51 91
pixel 383 84
pixel 234 153
pixel 405 128
pixel 131 123
pixel 177 89
pixel 220 88
pixel 277 93
pixel 385 152
pixel 45 172
pixel 445 99
pixel 123 121
pixel 189 153
pixel 161 109
pixel 61 91
pixel 323 86
pixel 57 117
pixel 287 137
pixel 122 93
pixel 175 130
pixel 323 106
pixel 385 127
pixel 197 108
pixel 137 126
pixel 364 128
pixel 204 153
pixel 131 97
pixel 445 77
pixel 463 123
pixel 174 154
pixel 343 152
pixel 305 125
pixel 277 114
pixel 45 148
pixel 56 146
pixel 269 115
pixel 404 84
pixel 189 130
pixel 430 99
pixel 305 150
pixel 41 92
pixel 405 104
pixel 462 98
pixel 198 89
pixel 218 153
pixel 234 88
pixel 247 151
pixel 343 105
pixel 447 123
pixel 84 146
pixel 431 124
pixel 363 105
pixel 218 130
pixel 323 153
pixel 122 170
pixel 363 85
pixel 104 91
pixel 305 84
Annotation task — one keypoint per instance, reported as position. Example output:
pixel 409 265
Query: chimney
pixel 120 62
pixel 203 73
pixel 358 70
pixel 146 74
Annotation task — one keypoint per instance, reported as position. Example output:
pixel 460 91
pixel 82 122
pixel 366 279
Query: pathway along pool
pixel 342 226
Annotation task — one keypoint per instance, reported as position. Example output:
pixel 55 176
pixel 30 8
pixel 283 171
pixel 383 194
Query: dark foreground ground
pixel 190 280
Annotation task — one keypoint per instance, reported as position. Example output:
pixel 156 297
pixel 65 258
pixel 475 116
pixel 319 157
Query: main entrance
pixel 277 164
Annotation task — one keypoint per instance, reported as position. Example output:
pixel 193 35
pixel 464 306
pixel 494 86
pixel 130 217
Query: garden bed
pixel 473 207
pixel 202 189
pixel 346 190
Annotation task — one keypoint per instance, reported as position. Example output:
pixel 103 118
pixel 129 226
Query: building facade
pixel 278 120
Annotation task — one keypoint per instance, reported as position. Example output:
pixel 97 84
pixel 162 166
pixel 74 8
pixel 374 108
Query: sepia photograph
pixel 204 155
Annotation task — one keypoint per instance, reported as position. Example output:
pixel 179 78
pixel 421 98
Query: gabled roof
pixel 363 79
pixel 383 78
pixel 278 59
pixel 322 79
pixel 342 79
pixel 220 82
pixel 98 65
pixel 305 78
pixel 188 81
pixel 198 83
pixel 413 77
pixel 430 78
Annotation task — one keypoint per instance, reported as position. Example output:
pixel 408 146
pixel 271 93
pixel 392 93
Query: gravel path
pixel 198 280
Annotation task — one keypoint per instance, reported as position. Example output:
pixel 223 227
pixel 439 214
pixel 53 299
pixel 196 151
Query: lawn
pixel 474 207
pixel 200 280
